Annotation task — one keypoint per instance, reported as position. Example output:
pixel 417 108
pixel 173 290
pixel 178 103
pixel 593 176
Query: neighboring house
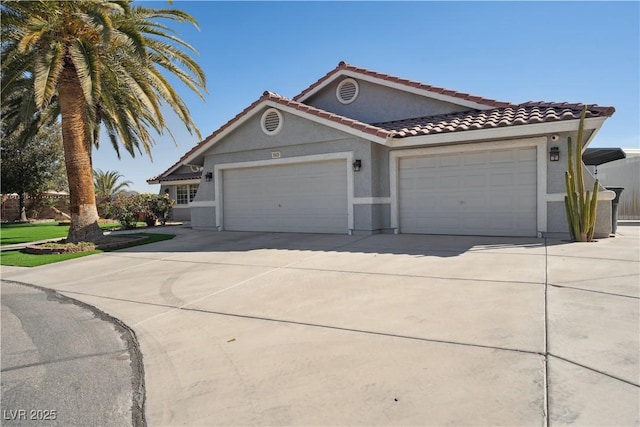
pixel 363 152
pixel 624 173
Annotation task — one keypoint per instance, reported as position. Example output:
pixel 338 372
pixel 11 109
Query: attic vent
pixel 271 121
pixel 347 91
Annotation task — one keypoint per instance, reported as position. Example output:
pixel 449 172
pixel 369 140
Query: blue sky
pixel 511 51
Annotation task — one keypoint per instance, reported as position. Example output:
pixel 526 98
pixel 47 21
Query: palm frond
pixel 84 59
pixel 171 14
pixel 46 73
pixel 102 20
pixel 121 54
pixel 37 28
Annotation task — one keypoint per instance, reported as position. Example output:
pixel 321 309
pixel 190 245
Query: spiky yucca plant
pixel 580 205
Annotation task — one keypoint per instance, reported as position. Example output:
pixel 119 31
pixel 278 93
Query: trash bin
pixel 614 207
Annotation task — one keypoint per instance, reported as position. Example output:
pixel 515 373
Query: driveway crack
pixel 594 370
pixel 314 325
pixel 546 334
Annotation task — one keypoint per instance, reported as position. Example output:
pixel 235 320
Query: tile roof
pixel 336 118
pixel 513 115
pixel 498 114
pixel 176 177
pixel 409 83
pixel 272 96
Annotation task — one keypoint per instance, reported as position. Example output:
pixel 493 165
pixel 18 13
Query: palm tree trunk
pixel 77 157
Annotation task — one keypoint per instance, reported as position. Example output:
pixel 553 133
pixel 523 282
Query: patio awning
pixel 599 156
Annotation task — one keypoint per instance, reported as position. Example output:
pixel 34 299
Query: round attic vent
pixel 271 121
pixel 347 91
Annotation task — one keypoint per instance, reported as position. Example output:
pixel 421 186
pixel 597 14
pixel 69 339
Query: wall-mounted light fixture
pixel 554 154
pixel 166 191
pixel 208 176
pixel 357 165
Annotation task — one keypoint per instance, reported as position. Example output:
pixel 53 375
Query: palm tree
pixel 106 183
pixel 102 63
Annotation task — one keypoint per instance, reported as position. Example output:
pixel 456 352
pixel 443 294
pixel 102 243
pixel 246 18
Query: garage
pixel 489 192
pixel 300 197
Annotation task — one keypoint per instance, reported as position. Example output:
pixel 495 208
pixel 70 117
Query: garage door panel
pixel 503 179
pixel 526 178
pixel 306 197
pixel 497 157
pixel 450 180
pixel 475 159
pixel 527 155
pixel 475 180
pixel 480 193
pixel 448 161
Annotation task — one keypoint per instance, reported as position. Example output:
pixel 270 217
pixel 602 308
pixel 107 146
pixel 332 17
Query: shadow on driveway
pixel 402 244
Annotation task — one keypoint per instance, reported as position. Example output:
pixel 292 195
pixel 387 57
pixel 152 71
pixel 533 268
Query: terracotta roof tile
pixel 336 118
pixel 272 96
pixel 410 83
pixel 502 114
pixel 522 114
pixel 176 177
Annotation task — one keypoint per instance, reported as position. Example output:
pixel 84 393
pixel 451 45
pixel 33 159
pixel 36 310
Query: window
pixel 193 189
pixel 186 193
pixel 182 194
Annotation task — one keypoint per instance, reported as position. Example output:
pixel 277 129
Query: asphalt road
pixel 66 363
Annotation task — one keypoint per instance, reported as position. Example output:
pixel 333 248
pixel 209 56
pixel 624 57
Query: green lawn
pixel 23 233
pixel 21 259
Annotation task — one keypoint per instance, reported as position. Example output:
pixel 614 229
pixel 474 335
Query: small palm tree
pixel 106 183
pixel 102 62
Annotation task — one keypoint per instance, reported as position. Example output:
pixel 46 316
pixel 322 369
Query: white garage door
pixel 482 193
pixel 304 197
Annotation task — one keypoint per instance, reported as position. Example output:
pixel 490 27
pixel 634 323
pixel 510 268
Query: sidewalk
pixel 156 229
pixel 17 246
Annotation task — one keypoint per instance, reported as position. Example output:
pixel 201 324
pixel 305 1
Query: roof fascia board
pixel 593 134
pixel 175 168
pixel 329 123
pixel 394 85
pixel 221 135
pixel 178 182
pixel 418 91
pixel 291 110
pixel 497 133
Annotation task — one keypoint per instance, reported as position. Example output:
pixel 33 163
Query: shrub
pixel 128 209
pixel 125 208
pixel 161 207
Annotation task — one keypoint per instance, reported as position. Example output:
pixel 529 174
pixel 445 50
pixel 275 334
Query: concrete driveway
pixel 294 329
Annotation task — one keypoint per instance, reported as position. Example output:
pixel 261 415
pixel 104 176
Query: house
pixel 625 173
pixel 363 152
